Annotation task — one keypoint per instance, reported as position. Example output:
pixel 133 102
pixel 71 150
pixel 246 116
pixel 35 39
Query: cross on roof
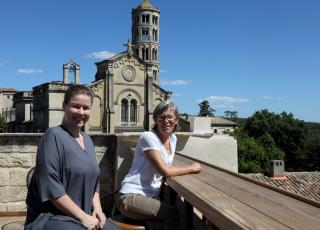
pixel 129 45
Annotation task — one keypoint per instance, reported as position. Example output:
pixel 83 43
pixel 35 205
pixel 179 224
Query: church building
pixel 126 86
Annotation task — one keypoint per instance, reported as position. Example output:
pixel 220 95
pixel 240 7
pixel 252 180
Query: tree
pixel 232 115
pixel 205 109
pixel 3 127
pixel 227 114
pixel 255 154
pixel 288 133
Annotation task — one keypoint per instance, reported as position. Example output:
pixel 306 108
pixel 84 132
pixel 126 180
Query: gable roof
pixel 306 184
pixel 222 121
pixel 118 56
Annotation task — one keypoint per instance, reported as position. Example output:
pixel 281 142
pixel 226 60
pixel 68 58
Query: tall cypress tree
pixel 205 109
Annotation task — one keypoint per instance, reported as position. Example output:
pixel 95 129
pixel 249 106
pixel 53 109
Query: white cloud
pixel 175 82
pixel 29 71
pixel 176 94
pixel 100 55
pixel 222 102
pixel 163 71
pixel 272 98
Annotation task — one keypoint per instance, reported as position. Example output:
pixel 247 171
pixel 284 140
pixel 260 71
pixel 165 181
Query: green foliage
pixel 288 134
pixel 232 115
pixel 3 127
pixel 311 151
pixel 255 154
pixel 250 155
pixel 205 109
pixel 265 136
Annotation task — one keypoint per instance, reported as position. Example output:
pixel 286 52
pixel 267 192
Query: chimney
pixel 276 168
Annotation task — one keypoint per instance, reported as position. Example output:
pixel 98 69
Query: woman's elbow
pixel 164 172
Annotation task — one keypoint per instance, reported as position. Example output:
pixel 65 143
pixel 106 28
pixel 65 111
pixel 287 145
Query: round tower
pixel 145 35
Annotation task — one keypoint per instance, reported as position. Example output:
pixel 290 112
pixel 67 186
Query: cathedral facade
pixel 126 86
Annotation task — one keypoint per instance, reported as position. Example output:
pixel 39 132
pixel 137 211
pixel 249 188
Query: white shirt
pixel 143 178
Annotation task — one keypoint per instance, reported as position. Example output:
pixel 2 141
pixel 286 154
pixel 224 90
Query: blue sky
pixel 241 55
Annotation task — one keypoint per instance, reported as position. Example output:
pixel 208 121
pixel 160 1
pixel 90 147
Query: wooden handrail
pixel 277 189
pixel 232 202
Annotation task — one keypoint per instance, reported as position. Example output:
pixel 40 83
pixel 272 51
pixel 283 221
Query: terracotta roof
pixel 306 184
pixel 221 121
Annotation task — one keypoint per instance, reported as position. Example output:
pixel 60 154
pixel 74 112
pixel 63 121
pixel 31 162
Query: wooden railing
pixel 228 200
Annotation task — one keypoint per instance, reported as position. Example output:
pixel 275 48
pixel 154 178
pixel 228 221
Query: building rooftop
pixel 146 5
pixel 222 121
pixel 7 90
pixel 306 184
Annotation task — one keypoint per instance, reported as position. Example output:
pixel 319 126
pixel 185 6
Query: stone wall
pixel 18 155
pixel 114 154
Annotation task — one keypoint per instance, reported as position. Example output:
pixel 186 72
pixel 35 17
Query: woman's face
pixel 166 121
pixel 77 110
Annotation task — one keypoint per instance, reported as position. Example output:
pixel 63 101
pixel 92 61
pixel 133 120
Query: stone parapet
pixel 18 155
pixel 114 155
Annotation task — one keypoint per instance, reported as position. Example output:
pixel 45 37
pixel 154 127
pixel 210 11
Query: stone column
pixel 77 75
pixel 65 73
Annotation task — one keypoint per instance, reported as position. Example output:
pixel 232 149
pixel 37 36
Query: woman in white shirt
pixel 152 162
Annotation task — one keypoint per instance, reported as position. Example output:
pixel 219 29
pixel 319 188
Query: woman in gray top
pixel 64 190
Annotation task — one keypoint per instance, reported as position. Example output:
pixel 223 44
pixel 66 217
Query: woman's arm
pixel 97 210
pixel 67 206
pixel 165 170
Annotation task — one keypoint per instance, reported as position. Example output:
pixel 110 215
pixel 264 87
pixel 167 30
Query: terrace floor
pixel 12 222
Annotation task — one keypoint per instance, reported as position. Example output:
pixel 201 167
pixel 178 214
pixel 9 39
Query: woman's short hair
pixel 76 90
pixel 164 105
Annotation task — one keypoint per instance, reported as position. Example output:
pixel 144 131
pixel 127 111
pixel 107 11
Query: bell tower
pixel 145 35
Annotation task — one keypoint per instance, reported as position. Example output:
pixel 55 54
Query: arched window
pixel 155 75
pixel 154 20
pixel 154 54
pixel 148 19
pixel 155 35
pixel 133 110
pixel 124 110
pixel 147 54
pixel 143 53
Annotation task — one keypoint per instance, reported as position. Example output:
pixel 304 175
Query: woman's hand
pixel 68 207
pixel 196 167
pixel 90 222
pixel 100 216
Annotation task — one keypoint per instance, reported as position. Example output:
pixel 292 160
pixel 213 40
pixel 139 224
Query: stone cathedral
pixel 126 86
